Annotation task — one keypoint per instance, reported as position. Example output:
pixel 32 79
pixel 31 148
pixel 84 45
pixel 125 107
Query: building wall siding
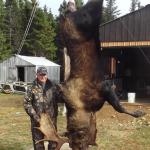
pixel 9 71
pixel 131 27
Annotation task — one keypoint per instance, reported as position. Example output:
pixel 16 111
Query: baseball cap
pixel 41 70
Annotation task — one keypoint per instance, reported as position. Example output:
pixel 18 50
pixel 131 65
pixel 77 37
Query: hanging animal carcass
pixel 85 91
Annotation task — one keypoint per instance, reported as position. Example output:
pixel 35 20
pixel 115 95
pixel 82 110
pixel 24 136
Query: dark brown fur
pixel 85 91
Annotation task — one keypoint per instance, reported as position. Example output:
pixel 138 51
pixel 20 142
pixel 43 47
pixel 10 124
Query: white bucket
pixel 131 97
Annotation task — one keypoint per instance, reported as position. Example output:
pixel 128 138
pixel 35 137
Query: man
pixel 41 98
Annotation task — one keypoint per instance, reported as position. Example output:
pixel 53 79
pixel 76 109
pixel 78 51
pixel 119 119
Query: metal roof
pixel 131 30
pixel 37 61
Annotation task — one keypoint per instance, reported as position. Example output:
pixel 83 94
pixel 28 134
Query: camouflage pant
pixel 37 135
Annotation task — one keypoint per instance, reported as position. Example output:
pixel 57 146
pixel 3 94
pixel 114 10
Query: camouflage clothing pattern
pixel 40 99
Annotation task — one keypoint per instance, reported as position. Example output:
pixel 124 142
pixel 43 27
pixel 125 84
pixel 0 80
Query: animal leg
pixel 66 65
pixel 111 97
pixel 93 130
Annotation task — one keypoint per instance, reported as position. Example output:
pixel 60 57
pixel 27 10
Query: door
pixel 21 74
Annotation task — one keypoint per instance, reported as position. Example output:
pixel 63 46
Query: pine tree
pixel 139 6
pixel 47 36
pixel 26 9
pixel 13 28
pixel 40 40
pixel 62 8
pixel 4 49
pixel 79 3
pixel 110 12
pixel 134 5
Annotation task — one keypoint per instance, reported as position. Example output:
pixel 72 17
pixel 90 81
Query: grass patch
pixel 113 133
pixel 141 137
pixel 14 123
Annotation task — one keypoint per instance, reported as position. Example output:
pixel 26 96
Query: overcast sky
pixel 123 5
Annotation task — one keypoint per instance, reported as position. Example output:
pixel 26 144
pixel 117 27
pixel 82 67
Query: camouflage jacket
pixel 39 99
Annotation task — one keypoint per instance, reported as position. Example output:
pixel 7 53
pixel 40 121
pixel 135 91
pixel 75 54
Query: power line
pixel 27 28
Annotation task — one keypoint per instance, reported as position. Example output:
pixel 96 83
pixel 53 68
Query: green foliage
pixel 62 8
pixel 41 40
pixel 14 18
pixel 13 24
pixel 43 31
pixel 135 4
pixel 115 131
pixel 79 3
pixel 4 49
pixel 110 12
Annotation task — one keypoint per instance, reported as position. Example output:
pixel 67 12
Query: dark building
pixel 125 46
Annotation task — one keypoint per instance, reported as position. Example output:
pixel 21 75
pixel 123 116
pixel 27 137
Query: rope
pixel 27 28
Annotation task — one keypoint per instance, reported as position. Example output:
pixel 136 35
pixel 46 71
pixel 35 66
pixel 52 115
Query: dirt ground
pixel 120 127
pixel 118 131
pixel 109 115
pixel 123 130
pixel 115 131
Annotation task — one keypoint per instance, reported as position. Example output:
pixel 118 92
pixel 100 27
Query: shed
pixel 23 68
pixel 125 45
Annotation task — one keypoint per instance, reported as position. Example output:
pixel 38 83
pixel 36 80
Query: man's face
pixel 42 77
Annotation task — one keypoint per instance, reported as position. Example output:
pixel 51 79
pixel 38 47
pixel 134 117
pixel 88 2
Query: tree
pixel 27 8
pixel 139 5
pixel 14 18
pixel 62 8
pixel 13 26
pixel 135 4
pixel 4 49
pixel 110 12
pixel 79 3
pixel 40 41
pixel 47 36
